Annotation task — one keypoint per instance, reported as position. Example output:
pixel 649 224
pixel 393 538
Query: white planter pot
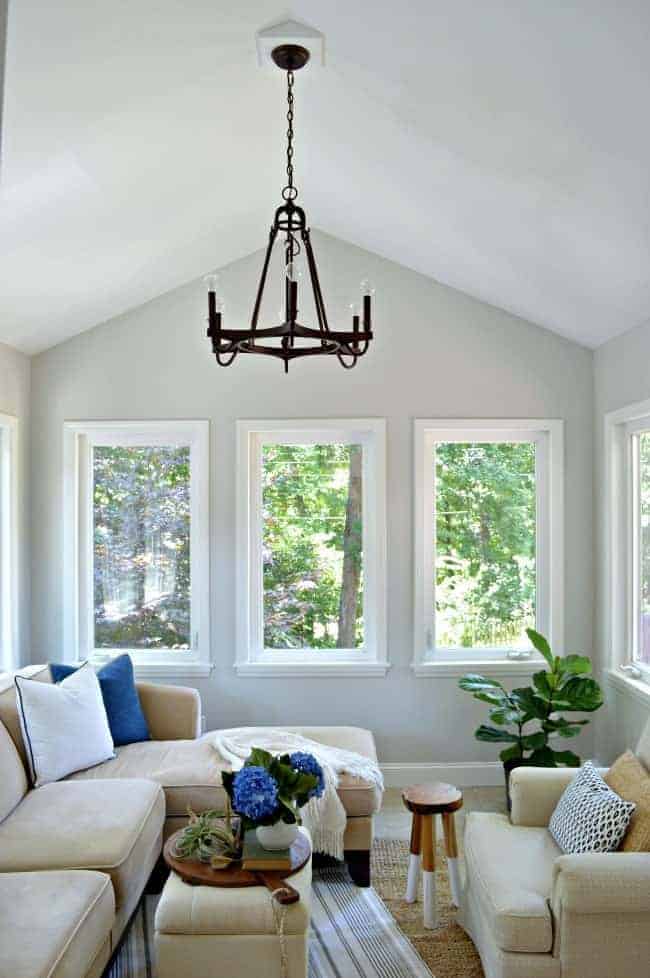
pixel 278 836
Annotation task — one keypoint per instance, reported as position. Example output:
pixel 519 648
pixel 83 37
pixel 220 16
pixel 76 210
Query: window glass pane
pixel 141 546
pixel 643 587
pixel 312 544
pixel 485 544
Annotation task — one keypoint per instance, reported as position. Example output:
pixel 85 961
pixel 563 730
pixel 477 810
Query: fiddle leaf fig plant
pixel 528 719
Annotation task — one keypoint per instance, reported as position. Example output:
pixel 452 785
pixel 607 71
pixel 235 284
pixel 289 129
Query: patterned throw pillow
pixel 589 816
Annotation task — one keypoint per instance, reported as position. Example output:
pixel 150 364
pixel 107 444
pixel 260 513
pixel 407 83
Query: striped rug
pixel 352 936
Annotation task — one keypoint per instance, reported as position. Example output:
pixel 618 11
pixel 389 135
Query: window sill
pixel 313 669
pixel 491 667
pixel 170 670
pixel 636 688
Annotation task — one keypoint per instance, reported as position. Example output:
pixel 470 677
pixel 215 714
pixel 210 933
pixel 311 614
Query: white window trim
pixel 619 555
pixel 78 438
pixel 549 435
pixel 9 620
pixel 251 658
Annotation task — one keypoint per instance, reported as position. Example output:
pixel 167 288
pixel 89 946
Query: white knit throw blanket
pixel 324 817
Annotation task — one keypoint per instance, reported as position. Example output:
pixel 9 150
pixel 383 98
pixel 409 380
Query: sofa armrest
pixel 172 712
pixel 535 791
pixel 601 883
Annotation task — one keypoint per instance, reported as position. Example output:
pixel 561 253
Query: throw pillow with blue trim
pixel 117 682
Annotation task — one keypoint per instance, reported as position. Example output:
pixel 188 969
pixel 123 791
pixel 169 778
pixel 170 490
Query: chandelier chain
pixel 290 192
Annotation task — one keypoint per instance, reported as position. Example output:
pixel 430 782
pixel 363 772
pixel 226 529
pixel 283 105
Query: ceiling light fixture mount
pixel 290 339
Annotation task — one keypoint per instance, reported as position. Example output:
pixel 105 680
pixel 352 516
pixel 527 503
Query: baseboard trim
pixel 464 774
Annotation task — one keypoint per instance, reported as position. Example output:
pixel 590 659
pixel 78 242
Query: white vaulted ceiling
pixel 502 148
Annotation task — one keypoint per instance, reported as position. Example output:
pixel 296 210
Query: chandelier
pixel 290 339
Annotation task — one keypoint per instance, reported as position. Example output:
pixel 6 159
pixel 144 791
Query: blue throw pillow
pixel 117 682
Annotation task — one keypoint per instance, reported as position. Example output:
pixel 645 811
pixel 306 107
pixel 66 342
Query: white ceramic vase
pixel 278 836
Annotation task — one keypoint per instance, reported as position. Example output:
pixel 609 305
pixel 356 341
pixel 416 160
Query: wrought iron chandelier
pixel 290 339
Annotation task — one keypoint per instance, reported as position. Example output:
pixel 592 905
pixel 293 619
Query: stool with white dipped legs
pixel 425 802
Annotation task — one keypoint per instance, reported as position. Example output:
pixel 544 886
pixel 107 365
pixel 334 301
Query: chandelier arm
pixel 315 283
pixel 260 287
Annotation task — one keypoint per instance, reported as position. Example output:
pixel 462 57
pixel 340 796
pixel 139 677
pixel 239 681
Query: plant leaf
pixel 541 683
pixel 543 757
pixel 566 757
pixel 529 702
pixel 539 642
pixel 494 736
pixel 535 741
pixel 474 683
pixel 511 753
pixel 583 695
pixel 576 664
pixel 503 716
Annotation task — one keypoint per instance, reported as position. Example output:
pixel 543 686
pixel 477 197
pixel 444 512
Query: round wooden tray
pixel 202 874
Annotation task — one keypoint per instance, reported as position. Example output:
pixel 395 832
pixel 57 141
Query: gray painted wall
pixel 621 377
pixel 15 400
pixel 437 353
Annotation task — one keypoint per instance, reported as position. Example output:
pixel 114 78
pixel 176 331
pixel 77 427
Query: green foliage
pixel 294 787
pixel 485 542
pixel 305 495
pixel 566 686
pixel 141 542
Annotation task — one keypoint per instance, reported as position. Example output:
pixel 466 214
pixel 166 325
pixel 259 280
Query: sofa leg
pixel 358 861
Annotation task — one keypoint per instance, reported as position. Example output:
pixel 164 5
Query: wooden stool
pixel 426 801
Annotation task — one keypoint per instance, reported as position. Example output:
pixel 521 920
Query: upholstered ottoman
pixel 218 932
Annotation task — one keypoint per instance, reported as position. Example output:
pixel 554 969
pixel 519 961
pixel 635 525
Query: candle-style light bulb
pixel 367 288
pixel 211 282
pixel 292 271
pixel 353 309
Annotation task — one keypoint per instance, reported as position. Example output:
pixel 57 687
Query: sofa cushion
pixel 190 770
pixel 54 924
pixel 512 870
pixel 13 780
pixel 109 825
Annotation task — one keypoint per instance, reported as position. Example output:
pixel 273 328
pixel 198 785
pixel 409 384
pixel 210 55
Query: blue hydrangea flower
pixel 255 793
pixel 307 763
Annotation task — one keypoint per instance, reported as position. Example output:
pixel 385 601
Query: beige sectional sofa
pixel 76 855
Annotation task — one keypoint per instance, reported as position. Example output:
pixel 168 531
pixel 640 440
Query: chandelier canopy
pixel 290 339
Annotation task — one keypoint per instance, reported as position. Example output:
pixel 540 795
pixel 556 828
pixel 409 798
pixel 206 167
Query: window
pixel 137 543
pixel 640 547
pixel 488 540
pixel 8 543
pixel 311 542
pixel 627 561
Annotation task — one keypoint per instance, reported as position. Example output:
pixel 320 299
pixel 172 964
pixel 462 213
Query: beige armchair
pixel 536 913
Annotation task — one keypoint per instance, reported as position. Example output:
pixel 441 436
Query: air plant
pixel 210 838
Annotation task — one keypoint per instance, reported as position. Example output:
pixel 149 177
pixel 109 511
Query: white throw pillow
pixel 590 817
pixel 64 725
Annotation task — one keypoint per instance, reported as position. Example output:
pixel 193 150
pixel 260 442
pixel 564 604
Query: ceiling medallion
pixel 290 339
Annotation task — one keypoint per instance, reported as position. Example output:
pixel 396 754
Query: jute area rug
pixel 448 951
